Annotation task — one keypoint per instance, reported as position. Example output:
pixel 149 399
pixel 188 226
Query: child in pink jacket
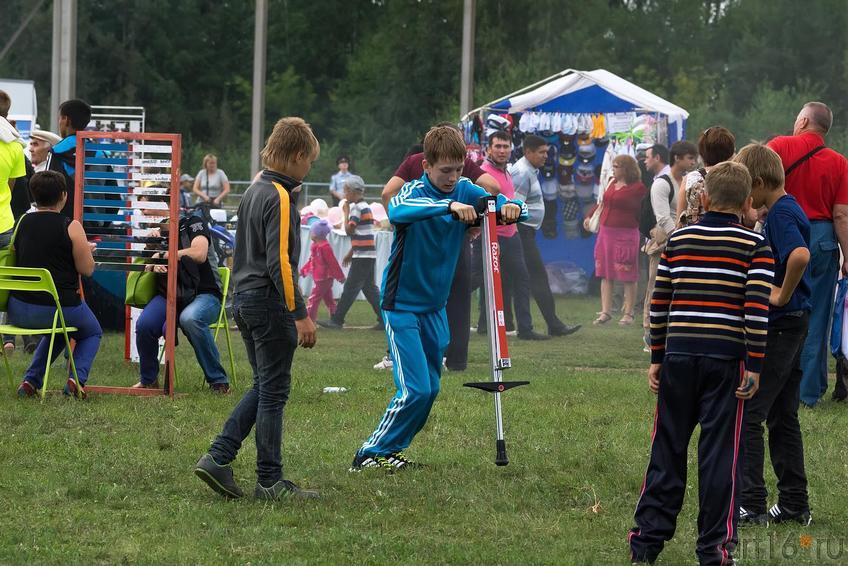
pixel 323 267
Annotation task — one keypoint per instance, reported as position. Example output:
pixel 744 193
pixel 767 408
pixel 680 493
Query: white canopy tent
pixel 597 91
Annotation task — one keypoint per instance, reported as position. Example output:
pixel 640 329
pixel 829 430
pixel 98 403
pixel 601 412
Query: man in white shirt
pixel 525 177
pixel 338 180
pixel 669 168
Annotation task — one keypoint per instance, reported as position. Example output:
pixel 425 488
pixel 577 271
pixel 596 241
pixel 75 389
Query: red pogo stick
pixel 495 319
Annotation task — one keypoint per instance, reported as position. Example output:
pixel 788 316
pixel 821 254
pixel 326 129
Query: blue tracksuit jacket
pixel 427 244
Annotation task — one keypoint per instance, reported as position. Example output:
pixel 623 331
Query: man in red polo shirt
pixel 818 179
pixel 459 301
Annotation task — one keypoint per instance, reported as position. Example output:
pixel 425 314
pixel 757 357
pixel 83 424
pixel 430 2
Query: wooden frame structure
pixel 113 169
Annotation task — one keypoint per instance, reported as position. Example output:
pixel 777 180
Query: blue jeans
pixel 270 338
pixel 824 267
pixel 194 321
pixel 87 336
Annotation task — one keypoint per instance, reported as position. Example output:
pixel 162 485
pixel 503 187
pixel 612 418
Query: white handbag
pixel 593 224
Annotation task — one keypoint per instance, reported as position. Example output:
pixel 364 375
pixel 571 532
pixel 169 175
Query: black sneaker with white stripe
pixel 363 461
pixel 778 514
pixel 399 461
pixel 747 517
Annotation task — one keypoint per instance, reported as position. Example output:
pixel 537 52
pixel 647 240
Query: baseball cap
pixel 186 177
pixel 355 183
pixel 497 122
pixel 586 151
pixel 585 174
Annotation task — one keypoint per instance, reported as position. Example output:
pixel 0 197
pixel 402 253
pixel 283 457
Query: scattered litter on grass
pixel 596 508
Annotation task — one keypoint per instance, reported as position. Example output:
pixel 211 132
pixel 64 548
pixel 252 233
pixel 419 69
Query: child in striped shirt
pixel 359 225
pixel 709 321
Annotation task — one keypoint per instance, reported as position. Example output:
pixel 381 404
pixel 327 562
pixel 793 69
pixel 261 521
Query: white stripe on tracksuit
pixel 397 402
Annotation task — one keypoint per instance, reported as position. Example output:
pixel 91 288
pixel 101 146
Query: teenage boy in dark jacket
pixel 270 313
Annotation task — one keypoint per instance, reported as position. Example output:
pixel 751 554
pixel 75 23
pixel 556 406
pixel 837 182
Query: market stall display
pixel 587 118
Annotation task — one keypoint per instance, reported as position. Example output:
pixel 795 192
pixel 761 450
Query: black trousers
pixel 359 278
pixel 459 311
pixel 270 340
pixel 776 403
pixel 540 288
pixel 515 283
pixel 693 390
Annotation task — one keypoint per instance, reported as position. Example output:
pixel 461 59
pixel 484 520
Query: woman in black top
pixel 48 239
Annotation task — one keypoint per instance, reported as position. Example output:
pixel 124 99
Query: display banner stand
pixel 126 184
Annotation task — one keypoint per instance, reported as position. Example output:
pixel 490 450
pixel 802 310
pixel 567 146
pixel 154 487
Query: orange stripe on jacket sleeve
pixel 763 260
pixel 285 262
pixel 752 305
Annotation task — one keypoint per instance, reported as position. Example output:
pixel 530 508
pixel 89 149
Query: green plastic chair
pixel 32 280
pixel 222 323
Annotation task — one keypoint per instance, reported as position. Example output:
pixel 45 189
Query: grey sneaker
pixel 219 478
pixel 281 490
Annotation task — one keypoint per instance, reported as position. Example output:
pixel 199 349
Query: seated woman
pixel 198 306
pixel 48 239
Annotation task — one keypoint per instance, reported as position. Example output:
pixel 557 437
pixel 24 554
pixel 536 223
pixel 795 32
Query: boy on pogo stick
pixel 415 288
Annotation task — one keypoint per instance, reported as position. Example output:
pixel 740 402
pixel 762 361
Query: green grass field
pixel 109 480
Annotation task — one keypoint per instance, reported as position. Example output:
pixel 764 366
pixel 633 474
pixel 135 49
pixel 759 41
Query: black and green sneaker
pixel 363 461
pixel 281 490
pixel 219 478
pixel 399 461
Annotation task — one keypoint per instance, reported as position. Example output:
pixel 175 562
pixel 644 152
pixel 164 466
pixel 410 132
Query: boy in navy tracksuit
pixel 709 321
pixel 415 289
pixel 788 232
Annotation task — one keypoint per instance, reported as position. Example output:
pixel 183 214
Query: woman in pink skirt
pixel 617 246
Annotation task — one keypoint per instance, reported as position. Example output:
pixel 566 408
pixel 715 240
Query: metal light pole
pixel 466 89
pixel 260 41
pixel 64 68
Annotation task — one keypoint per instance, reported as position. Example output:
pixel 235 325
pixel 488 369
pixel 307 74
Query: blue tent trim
pixel 589 100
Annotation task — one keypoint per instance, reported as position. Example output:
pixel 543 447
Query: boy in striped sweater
pixel 709 320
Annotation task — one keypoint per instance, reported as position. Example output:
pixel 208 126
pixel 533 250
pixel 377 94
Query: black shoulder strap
pixel 670 187
pixel 803 159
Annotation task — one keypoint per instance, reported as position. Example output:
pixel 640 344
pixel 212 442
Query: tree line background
pixel 372 75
